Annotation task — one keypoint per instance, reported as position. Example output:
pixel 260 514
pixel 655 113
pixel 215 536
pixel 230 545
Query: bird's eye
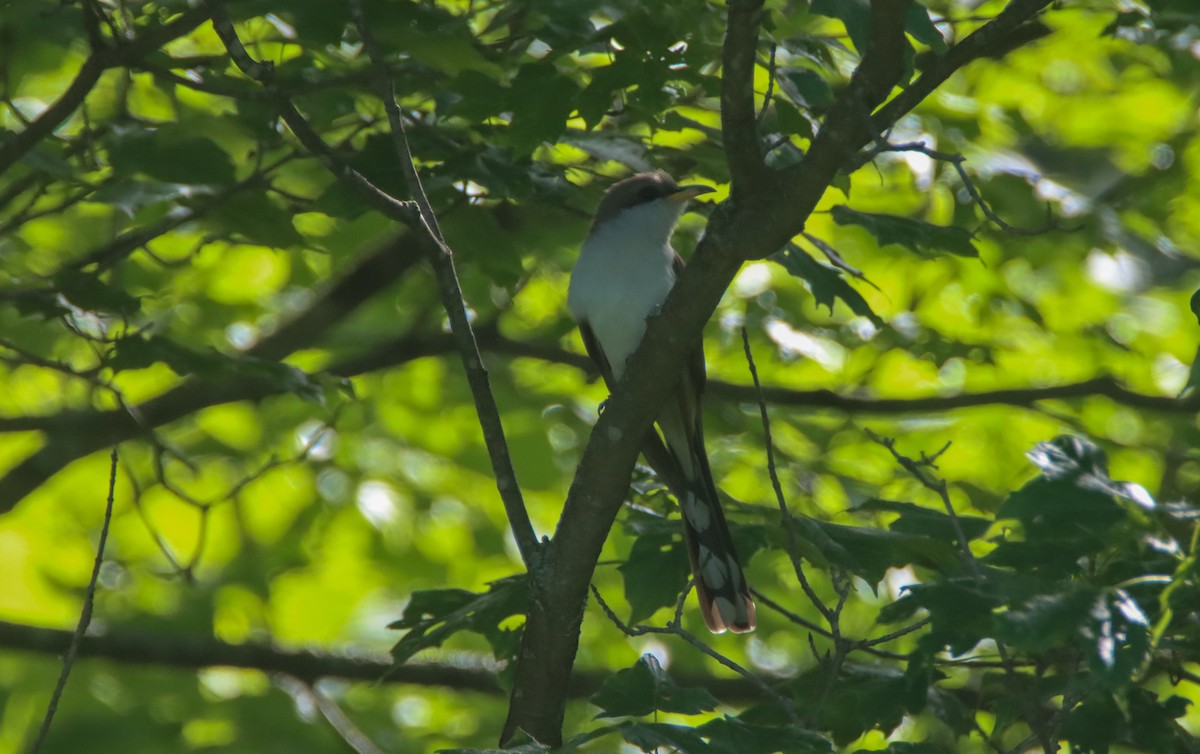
pixel 647 194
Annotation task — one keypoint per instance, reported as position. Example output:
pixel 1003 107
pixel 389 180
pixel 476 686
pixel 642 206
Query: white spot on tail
pixel 697 513
pixel 712 570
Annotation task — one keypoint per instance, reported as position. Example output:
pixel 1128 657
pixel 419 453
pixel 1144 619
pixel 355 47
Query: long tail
pixel 720 583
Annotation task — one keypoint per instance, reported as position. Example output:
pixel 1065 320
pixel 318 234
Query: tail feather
pixel 721 584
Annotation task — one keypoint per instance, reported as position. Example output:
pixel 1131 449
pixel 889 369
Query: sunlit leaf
pixel 923 238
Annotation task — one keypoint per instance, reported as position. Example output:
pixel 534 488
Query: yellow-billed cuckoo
pixel 625 270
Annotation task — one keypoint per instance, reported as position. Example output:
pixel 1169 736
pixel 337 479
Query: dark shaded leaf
pixel 433 616
pixel 646 688
pixel 171 154
pixel 960 611
pixel 905 747
pixel 141 351
pixel 650 736
pixel 924 238
pixel 825 282
pixel 655 573
pixel 1047 620
pixel 132 194
pixel 91 293
pixel 253 216
pixel 872 552
pixel 542 100
pixel 737 735
pixel 920 26
pixel 927 522
pixel 1119 637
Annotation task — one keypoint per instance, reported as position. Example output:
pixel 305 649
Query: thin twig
pixel 675 628
pixel 956 161
pixel 788 527
pixel 85 616
pixel 917 469
pixel 766 105
pixel 341 723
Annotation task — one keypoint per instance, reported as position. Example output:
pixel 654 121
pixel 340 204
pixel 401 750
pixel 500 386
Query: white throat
pixel 624 273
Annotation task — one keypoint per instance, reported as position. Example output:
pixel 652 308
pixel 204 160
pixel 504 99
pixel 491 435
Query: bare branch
pixel 85 616
pixel 442 259
pixel 785 515
pixel 264 73
pixel 189 652
pixel 337 719
pixel 989 40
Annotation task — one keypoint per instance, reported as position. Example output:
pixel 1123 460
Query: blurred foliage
pixel 301 462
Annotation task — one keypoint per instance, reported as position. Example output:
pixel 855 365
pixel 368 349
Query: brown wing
pixel 596 353
pixel 656 453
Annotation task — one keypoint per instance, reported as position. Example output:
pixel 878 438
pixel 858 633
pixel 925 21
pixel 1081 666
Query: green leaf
pixel 905 747
pixel 735 735
pixel 1082 462
pixel 862 702
pixel 132 194
pixel 655 573
pixel 542 100
pixel 926 522
pixel 920 26
pixel 825 282
pixel 433 616
pixel 921 237
pixel 141 351
pixel 855 15
pixel 257 219
pixel 91 293
pixel 1118 636
pixel 1094 724
pixel 650 736
pixel 171 154
pixel 1047 620
pixel 960 611
pixel 806 88
pixel 872 552
pixel 646 688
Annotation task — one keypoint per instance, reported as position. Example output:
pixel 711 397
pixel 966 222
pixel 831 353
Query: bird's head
pixel 651 202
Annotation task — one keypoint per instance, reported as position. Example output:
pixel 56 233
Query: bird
pixel 626 268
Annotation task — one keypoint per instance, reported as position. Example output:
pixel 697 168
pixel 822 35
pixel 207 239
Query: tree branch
pixel 761 223
pixel 739 124
pixel 442 259
pixel 987 41
pixel 191 652
pixel 85 615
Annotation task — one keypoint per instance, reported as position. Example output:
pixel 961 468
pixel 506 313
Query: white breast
pixel 623 274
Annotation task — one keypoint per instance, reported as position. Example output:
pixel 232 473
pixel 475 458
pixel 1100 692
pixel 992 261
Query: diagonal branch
pixel 85 616
pixel 419 216
pixel 442 259
pixel 989 40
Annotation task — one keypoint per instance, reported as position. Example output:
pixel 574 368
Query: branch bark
pixel 442 258
pixel 191 652
pixel 759 225
pixel 739 124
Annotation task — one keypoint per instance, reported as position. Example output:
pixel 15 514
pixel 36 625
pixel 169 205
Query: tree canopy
pixel 294 422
